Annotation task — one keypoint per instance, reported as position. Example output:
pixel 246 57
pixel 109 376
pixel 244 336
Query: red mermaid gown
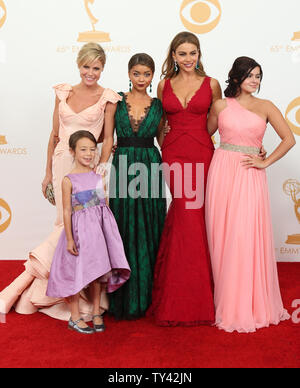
pixel 183 287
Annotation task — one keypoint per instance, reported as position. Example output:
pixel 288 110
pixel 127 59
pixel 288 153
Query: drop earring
pixel 176 66
pixel 151 87
pixel 130 85
pixel 197 66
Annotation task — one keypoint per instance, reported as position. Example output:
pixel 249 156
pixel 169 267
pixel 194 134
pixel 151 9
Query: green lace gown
pixel 140 217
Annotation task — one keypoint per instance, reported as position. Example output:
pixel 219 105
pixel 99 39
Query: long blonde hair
pixel 168 69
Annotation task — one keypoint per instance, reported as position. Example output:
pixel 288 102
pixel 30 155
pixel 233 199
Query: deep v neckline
pixel 89 107
pixel 142 119
pixel 191 99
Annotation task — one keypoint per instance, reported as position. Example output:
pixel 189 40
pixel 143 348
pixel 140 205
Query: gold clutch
pixel 50 194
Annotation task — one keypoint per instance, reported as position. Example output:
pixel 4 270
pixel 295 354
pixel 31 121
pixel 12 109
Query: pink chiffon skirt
pixel 239 227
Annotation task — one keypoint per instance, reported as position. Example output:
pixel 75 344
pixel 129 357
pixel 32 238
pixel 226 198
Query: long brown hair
pixel 168 69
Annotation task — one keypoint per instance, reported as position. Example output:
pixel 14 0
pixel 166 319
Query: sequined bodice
pixel 87 190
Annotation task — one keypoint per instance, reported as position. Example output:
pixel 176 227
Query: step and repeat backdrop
pixel 39 42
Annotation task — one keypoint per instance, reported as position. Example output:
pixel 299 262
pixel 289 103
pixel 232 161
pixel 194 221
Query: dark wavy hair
pixel 241 69
pixel 142 59
pixel 76 136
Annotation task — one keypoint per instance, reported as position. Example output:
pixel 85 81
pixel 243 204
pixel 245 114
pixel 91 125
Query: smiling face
pixel 90 72
pixel 85 151
pixel 141 77
pixel 186 56
pixel 252 83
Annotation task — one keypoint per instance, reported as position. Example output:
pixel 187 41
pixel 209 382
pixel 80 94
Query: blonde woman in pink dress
pixel 247 294
pixel 85 106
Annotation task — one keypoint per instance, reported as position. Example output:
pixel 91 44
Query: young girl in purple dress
pixel 90 251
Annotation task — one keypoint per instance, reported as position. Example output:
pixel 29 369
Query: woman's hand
pixel 48 179
pixel 71 248
pixel 166 128
pixel 254 161
pixel 263 153
pixel 113 150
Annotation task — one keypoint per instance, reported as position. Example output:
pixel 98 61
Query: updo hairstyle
pixel 142 59
pixel 241 69
pixel 76 136
pixel 89 53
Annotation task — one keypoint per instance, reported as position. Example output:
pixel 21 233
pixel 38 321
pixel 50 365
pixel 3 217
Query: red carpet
pixel 39 341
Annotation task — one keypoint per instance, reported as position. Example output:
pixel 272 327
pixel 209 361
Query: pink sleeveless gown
pixel 239 228
pixel 28 291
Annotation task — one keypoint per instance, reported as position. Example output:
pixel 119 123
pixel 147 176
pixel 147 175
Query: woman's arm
pixel 108 132
pixel 278 122
pixel 67 214
pixel 160 89
pixel 161 132
pixel 51 147
pixel 163 129
pixel 216 90
pixel 213 117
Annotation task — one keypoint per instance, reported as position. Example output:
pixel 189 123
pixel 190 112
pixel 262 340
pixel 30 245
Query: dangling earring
pixel 130 85
pixel 151 87
pixel 176 66
pixel 198 65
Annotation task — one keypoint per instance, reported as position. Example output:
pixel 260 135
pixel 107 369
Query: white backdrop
pixel 38 49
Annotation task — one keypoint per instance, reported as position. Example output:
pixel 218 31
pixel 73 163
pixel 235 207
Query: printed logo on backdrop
pixel 93 35
pixel 291 251
pixel 3 13
pixel 7 150
pixel 292 188
pixel 200 16
pixel 292 48
pixel 296 36
pixel 5 215
pixel 292 116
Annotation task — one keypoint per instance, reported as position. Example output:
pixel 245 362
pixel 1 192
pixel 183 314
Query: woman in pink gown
pixel 84 106
pixel 247 294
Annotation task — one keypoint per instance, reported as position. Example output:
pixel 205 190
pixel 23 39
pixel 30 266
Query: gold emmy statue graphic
pixel 92 36
pixel 2 140
pixel 296 36
pixel 291 188
pixel 3 18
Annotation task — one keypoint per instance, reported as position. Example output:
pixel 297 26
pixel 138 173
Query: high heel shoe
pixel 74 326
pixel 98 328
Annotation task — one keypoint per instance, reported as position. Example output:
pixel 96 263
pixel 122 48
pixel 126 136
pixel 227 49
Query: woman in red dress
pixel 183 289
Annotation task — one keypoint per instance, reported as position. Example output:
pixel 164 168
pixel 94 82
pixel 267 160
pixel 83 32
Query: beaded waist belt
pixel 237 148
pixel 93 203
pixel 137 142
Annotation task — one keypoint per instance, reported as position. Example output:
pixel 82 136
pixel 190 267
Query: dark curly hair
pixel 241 69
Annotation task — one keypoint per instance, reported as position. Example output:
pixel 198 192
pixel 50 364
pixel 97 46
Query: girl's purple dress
pixel 97 238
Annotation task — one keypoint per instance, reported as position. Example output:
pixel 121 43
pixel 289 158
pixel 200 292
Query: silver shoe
pixel 98 328
pixel 74 326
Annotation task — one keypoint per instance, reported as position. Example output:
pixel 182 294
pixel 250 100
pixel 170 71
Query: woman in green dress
pixel 137 187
